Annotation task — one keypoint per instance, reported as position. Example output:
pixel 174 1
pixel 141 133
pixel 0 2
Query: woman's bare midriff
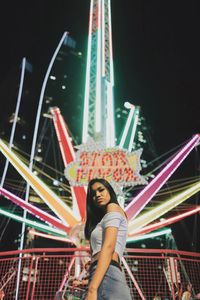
pixel 115 257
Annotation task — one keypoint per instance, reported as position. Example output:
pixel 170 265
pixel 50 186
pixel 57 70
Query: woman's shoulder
pixel 113 207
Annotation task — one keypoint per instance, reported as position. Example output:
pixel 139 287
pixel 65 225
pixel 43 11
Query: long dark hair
pixel 94 213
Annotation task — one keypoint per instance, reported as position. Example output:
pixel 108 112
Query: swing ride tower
pixel 98 118
pixel 52 270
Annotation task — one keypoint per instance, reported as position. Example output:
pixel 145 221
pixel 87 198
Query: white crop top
pixel 111 219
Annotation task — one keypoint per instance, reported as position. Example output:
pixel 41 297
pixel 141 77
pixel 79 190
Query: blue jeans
pixel 113 285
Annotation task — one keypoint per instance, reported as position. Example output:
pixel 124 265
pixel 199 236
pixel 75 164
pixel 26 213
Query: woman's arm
pixel 105 257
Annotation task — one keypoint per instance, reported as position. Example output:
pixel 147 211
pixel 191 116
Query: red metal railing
pixel 44 273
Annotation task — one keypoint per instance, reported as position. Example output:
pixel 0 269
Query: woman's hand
pixel 92 294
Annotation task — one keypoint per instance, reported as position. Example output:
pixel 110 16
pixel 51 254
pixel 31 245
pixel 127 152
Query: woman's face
pixel 101 195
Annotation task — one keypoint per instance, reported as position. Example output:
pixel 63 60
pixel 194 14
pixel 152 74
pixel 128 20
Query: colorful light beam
pixel 135 123
pixel 34 210
pixel 128 123
pixel 49 197
pixel 49 236
pixel 38 225
pixel 148 236
pixel 160 210
pixel 139 202
pixel 68 155
pixel 165 222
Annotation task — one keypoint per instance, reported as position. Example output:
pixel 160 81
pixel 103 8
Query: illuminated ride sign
pixel 119 167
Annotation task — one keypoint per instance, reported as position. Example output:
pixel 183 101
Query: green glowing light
pixel 38 225
pixel 148 236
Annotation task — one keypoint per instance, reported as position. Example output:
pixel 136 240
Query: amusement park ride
pixel 97 156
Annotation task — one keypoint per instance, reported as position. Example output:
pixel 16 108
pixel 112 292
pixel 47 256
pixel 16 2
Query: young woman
pixel 106 229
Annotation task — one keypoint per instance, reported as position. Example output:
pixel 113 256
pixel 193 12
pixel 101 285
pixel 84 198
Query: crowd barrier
pixel 38 274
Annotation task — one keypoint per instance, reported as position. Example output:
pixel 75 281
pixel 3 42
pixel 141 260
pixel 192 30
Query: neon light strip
pixel 110 45
pixel 34 140
pixel 113 124
pixel 156 212
pixel 166 222
pixel 49 197
pixel 15 117
pixel 34 224
pixel 68 154
pixel 135 283
pixel 110 141
pixel 87 84
pixel 111 96
pixel 134 129
pixel 110 117
pixel 127 126
pixel 65 277
pixel 148 236
pixel 61 131
pixel 103 37
pixel 98 110
pixel 48 236
pixel 34 210
pixel 138 203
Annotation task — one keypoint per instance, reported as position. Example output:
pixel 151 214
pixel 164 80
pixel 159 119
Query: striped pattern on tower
pixel 98 119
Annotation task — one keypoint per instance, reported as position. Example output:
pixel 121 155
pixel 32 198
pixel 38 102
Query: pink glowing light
pixel 34 210
pixel 140 201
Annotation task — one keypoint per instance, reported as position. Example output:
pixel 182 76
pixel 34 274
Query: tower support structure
pixel 98 118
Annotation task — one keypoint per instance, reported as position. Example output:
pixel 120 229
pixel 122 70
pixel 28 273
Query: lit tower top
pixel 98 118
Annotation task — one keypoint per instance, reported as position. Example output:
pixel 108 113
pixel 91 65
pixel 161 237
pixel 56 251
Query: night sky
pixel 156 58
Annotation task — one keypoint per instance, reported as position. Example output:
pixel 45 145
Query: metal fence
pixel 45 273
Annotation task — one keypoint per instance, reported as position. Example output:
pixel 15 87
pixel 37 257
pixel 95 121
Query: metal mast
pixel 98 118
